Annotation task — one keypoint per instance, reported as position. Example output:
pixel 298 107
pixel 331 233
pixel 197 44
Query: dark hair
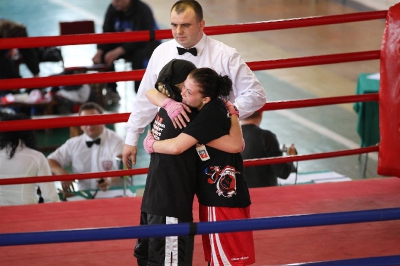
pixel 10 139
pixel 12 29
pixel 173 73
pixel 181 6
pixel 90 106
pixel 211 83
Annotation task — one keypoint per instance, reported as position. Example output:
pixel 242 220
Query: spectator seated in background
pixel 262 143
pixel 93 151
pixel 19 158
pixel 124 16
pixel 9 66
pixel 30 56
pixel 10 60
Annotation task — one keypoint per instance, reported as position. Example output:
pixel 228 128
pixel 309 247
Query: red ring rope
pixel 8 43
pixel 68 121
pixel 249 162
pixel 42 82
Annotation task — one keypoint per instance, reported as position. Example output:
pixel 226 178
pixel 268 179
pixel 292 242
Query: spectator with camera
pixel 262 143
pixel 9 67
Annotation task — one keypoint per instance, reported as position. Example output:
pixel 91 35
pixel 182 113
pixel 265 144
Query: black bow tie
pixel 90 143
pixel 192 50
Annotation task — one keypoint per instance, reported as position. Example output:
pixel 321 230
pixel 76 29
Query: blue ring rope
pixel 114 233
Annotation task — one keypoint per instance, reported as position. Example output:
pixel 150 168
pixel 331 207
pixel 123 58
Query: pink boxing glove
pixel 148 143
pixel 231 108
pixel 173 108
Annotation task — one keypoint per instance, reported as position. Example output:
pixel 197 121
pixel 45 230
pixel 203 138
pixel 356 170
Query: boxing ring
pixel 345 223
